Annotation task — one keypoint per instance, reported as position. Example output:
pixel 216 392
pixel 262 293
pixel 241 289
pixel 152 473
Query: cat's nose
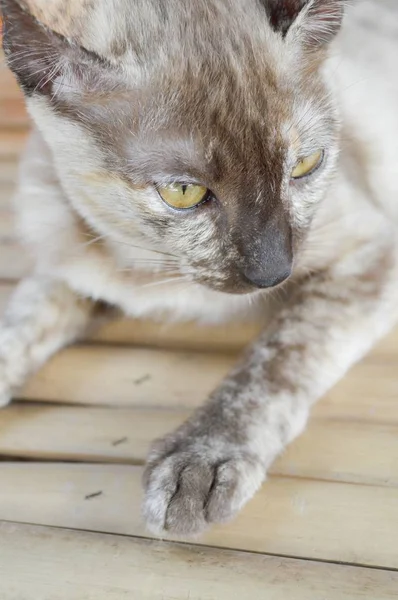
pixel 267 253
pixel 267 278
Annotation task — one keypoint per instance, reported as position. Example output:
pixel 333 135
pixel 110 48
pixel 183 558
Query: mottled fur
pixel 229 94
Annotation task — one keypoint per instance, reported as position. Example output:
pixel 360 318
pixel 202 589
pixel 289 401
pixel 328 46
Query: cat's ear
pixel 317 23
pixel 282 13
pixel 312 23
pixel 43 61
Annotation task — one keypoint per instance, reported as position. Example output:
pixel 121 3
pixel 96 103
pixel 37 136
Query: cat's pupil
pixel 184 189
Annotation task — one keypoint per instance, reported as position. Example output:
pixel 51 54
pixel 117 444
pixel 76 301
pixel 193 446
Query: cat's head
pixel 202 129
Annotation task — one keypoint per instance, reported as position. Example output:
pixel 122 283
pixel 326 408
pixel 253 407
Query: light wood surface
pixel 72 451
pixel 291 517
pixel 345 451
pixel 116 567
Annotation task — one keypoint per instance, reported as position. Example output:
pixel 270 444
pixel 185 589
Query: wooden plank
pixel 107 567
pixel 12 143
pixel 290 517
pixel 7 226
pixel 329 450
pixel 343 451
pixel 14 262
pixel 153 378
pixel 371 380
pixel 12 106
pixel 128 377
pixel 13 113
pixel 8 84
pixel 6 192
pixel 8 177
pixel 227 338
pixel 92 434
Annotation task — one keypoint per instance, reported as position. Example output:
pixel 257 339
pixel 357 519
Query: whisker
pixel 92 241
pixel 164 281
pixel 147 249
pixel 105 236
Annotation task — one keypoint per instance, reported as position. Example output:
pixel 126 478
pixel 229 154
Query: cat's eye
pixel 306 166
pixel 182 196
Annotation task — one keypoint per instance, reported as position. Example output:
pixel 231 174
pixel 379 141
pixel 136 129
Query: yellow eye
pixel 307 165
pixel 179 195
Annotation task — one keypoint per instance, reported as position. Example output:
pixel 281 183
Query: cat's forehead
pixel 217 120
pixel 112 28
pixel 213 71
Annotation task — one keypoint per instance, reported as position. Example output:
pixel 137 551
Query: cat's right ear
pixel 317 24
pixel 44 62
pixel 310 23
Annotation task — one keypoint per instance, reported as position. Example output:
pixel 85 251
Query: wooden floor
pixel 324 527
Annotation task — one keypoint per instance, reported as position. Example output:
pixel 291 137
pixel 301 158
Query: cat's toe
pixel 186 492
pixel 176 492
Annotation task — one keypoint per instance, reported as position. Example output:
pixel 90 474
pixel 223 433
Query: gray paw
pixel 196 484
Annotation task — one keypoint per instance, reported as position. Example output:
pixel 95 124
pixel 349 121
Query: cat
pixel 220 149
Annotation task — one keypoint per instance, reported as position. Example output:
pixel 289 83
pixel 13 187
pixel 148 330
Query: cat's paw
pixel 196 484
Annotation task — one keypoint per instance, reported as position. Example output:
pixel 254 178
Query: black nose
pixel 266 252
pixel 261 279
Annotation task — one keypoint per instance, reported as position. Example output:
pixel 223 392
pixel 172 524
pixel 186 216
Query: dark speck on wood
pixel 94 495
pixel 122 440
pixel 142 379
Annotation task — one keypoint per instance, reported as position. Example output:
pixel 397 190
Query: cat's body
pixel 77 213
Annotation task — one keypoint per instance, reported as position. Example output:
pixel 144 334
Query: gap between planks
pixel 318 520
pixel 123 376
pixel 364 453
pixel 107 567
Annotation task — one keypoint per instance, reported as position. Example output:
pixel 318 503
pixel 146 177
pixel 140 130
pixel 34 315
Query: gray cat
pixel 217 148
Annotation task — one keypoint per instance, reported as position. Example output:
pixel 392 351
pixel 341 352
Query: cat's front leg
pixel 43 316
pixel 206 470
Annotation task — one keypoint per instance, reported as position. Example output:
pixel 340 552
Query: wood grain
pixel 136 377
pixel 70 565
pixel 328 450
pixel 290 517
pixel 8 85
pixel 12 113
pixel 128 377
pixel 12 143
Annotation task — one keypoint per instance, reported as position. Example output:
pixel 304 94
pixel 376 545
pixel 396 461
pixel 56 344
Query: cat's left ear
pixel 311 23
pixel 44 62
